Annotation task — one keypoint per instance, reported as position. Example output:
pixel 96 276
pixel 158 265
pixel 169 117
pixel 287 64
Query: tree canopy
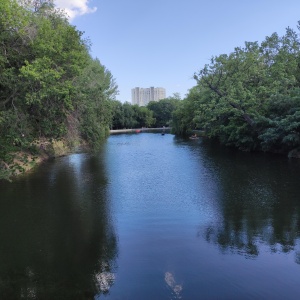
pixel 248 98
pixel 50 86
pixel 126 115
pixel 163 110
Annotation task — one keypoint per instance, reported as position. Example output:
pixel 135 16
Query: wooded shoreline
pixel 53 90
pixel 143 129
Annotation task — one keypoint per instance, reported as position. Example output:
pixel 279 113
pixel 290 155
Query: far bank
pixel 137 130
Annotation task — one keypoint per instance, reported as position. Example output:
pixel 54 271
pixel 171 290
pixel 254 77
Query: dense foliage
pixel 126 115
pixel 249 98
pixel 155 114
pixel 163 110
pixel 50 87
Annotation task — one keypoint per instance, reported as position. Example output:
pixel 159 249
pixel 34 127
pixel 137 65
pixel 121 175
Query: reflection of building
pixel 142 96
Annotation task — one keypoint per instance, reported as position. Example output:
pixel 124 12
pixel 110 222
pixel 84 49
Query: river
pixel 153 216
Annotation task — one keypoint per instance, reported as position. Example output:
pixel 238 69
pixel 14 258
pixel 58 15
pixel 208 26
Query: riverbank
pixel 143 129
pixel 21 162
pixel 41 150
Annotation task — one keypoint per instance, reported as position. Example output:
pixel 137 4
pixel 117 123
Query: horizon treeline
pixel 50 86
pixel 249 98
pixel 154 114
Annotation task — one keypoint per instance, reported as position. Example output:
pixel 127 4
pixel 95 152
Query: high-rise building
pixel 142 96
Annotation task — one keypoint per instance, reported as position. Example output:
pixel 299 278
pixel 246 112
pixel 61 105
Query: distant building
pixel 142 96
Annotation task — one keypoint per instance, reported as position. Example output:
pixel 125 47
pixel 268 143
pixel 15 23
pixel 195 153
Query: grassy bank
pixel 39 151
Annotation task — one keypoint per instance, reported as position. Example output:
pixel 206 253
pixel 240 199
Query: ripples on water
pixel 209 216
pixel 153 217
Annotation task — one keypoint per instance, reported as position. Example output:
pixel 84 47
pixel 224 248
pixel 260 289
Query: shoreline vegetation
pixel 250 98
pixel 24 161
pixel 55 97
pixel 142 129
pixel 27 159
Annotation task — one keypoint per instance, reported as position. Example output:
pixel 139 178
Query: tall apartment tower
pixel 142 96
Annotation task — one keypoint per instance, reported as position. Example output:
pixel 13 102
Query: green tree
pixel 129 116
pixel 50 87
pixel 248 98
pixel 238 89
pixel 185 117
pixel 143 116
pixel 96 91
pixel 163 109
pixel 118 116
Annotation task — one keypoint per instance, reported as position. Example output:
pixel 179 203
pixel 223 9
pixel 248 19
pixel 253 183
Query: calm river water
pixel 153 217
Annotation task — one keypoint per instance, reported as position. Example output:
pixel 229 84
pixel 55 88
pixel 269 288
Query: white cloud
pixel 75 8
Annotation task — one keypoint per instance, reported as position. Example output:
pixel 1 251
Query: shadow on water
pixel 258 200
pixel 57 237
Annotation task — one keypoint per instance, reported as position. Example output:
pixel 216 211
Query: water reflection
pixel 175 288
pixel 58 226
pixel 258 202
pixel 57 237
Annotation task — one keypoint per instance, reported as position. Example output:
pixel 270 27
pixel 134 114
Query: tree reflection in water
pixel 247 239
pixel 258 202
pixel 57 236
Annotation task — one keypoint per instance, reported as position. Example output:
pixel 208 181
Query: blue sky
pixel 162 43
